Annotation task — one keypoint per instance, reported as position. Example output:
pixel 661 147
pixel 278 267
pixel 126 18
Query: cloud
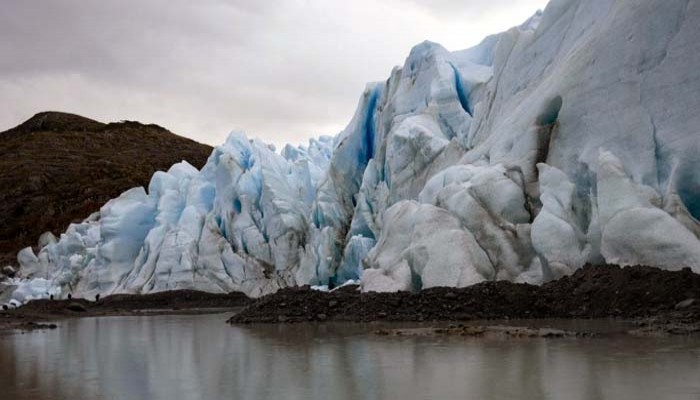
pixel 475 9
pixel 282 71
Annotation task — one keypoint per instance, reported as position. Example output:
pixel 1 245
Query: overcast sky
pixel 282 70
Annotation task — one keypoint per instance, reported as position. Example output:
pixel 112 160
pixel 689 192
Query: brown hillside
pixel 58 168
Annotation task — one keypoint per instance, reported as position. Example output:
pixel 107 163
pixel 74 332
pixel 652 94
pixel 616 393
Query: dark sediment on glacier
pixel 36 314
pixel 640 293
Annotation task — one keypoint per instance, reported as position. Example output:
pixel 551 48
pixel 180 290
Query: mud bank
pixel 39 313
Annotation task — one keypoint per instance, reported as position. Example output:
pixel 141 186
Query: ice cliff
pixel 572 138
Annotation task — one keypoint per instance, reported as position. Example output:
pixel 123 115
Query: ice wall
pixel 571 138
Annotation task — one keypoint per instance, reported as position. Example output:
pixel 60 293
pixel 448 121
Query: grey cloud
pixel 473 8
pixel 282 70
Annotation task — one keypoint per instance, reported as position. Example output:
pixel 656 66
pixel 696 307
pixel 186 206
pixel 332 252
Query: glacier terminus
pixel 573 138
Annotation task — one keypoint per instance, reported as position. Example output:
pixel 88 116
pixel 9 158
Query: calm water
pixel 200 357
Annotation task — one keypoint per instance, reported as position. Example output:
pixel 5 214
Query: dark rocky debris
pixel 592 292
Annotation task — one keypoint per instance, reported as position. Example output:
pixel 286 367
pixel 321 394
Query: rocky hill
pixel 59 168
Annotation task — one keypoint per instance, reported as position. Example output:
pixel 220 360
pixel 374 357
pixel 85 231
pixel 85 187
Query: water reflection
pixel 199 357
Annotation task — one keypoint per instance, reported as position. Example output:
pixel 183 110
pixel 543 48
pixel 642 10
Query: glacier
pixel 573 138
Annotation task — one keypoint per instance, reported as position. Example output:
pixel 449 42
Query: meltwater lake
pixel 201 357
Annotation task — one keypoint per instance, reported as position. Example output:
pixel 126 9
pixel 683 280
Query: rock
pixel 332 303
pixel 322 317
pixel 684 304
pixel 282 318
pixel 31 325
pixel 77 307
pixel 9 272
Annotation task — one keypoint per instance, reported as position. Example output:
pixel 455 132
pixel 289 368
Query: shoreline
pixel 42 314
pixel 655 302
